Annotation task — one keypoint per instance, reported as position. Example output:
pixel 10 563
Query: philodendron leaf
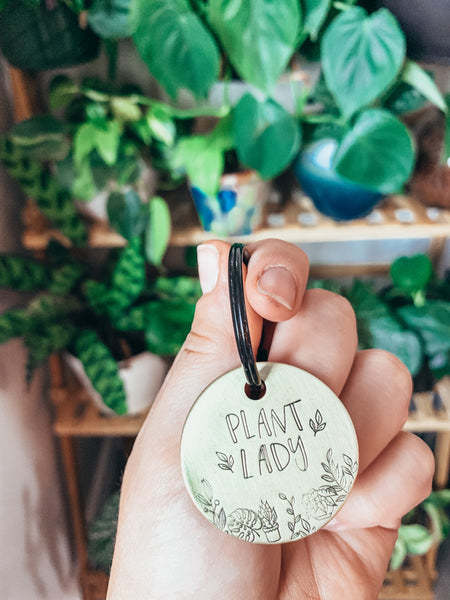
pixel 259 37
pixel 431 322
pixel 176 46
pixel 202 160
pixel 126 213
pixel 419 79
pixel 101 368
pixel 417 538
pixel 378 152
pixel 361 56
pixel 398 555
pixel 411 273
pixel 315 14
pixel 266 136
pixel 157 233
pixel 110 18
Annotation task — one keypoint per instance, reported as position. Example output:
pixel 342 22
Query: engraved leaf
pixel 291 527
pixel 348 461
pixel 327 478
pixel 221 456
pixel 289 511
pixel 318 417
pixel 224 467
pixel 341 498
pixel 329 454
pixel 347 471
pixel 231 461
pixel 201 499
pixel 207 489
pixel 312 425
pixel 297 518
pixel 222 520
pixel 282 496
pixel 306 526
pixel 292 500
pixel 326 467
pixel 321 427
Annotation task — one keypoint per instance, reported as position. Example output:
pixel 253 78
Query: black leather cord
pixel 238 256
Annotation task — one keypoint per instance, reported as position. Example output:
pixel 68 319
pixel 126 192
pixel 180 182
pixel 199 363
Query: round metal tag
pixel 271 470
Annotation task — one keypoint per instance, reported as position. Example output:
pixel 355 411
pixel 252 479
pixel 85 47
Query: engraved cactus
pixel 269 519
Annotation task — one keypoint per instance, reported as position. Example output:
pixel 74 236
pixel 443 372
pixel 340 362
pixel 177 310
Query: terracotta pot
pixel 238 206
pixel 142 376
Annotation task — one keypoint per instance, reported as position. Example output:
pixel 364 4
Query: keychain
pixel 268 452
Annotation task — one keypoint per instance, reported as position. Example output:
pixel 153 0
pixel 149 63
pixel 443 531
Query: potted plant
pixel 357 147
pixel 104 317
pixel 46 34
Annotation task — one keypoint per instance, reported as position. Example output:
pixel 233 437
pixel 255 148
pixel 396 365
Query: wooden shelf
pixel 427 416
pixel 398 217
pixel 413 581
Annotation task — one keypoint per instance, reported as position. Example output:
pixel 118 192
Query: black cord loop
pixel 238 256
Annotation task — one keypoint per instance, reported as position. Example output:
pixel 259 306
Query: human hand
pixel 166 550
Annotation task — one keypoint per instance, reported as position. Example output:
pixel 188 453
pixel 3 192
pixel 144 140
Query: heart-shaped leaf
pixel 266 136
pixel 411 273
pixel 361 56
pixel 175 45
pixel 259 37
pixel 378 152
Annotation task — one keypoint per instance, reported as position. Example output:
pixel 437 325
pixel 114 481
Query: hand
pixel 165 549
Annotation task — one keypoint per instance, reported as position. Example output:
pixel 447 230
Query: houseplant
pixel 409 318
pixel 39 34
pixel 101 316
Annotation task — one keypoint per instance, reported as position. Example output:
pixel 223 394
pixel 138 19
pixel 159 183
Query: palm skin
pixel 165 549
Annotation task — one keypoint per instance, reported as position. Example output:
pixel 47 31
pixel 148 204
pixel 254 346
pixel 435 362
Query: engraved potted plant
pixel 269 519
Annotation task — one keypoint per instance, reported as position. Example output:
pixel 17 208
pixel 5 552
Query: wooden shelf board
pixel 187 232
pixel 412 582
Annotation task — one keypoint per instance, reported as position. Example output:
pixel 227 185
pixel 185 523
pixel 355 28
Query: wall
pixel 35 561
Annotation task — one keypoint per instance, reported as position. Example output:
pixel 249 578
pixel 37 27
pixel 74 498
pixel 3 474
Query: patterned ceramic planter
pixel 332 195
pixel 237 208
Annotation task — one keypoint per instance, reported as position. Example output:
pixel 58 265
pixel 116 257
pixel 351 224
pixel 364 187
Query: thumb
pixel 275 269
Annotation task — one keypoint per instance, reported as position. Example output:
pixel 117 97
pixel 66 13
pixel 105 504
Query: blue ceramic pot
pixel 332 195
pixel 237 207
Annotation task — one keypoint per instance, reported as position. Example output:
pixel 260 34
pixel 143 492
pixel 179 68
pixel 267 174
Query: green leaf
pixel 157 234
pixel 202 160
pixel 176 46
pixel 411 273
pixel 14 323
pixel 361 56
pixel 110 19
pixel 419 79
pixel 417 538
pixel 128 278
pixel 23 274
pixel 41 138
pixel 125 109
pixel 161 125
pixel 398 555
pixel 126 213
pixel 61 91
pixel 84 142
pixel 107 141
pixel 316 12
pixel 167 325
pixel 267 138
pixel 101 368
pixel 259 37
pixel 378 152
pixel 431 322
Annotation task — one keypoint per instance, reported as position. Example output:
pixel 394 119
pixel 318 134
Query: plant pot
pixel 43 38
pixel 142 376
pixel 332 195
pixel 426 27
pixel 238 206
pixel 272 534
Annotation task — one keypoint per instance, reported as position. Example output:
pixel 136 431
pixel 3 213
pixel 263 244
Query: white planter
pixel 142 376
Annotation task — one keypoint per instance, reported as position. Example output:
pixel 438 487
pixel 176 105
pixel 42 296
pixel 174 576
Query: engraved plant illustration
pixel 269 519
pixel 317 424
pixel 226 462
pixel 298 526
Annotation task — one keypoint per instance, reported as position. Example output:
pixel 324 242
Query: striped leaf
pixel 13 323
pixel 128 279
pixel 101 368
pixel 23 274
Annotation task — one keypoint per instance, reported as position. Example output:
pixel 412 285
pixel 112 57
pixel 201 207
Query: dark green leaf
pixel 168 324
pixel 431 322
pixel 266 136
pixel 14 323
pixel 62 90
pixel 128 278
pixel 157 233
pixel 41 138
pixel 378 152
pixel 259 37
pixel 101 368
pixel 176 46
pixel 23 274
pixel 361 56
pixel 411 273
pixel 126 213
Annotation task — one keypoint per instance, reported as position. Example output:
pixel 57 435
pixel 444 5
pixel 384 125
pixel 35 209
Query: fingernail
pixel 279 284
pixel 208 267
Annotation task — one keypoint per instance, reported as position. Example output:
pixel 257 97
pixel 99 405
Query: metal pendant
pixel 268 453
